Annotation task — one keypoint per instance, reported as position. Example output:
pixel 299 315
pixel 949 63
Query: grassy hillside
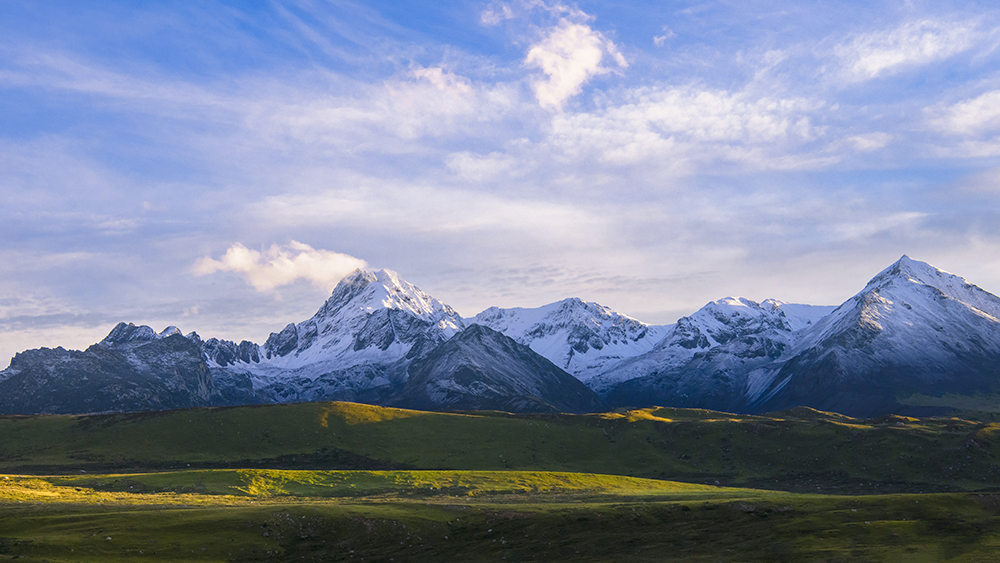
pixel 800 450
pixel 348 482
pixel 281 515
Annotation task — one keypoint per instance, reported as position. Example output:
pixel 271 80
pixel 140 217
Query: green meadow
pixel 348 482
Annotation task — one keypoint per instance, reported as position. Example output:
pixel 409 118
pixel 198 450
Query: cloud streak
pixel 885 52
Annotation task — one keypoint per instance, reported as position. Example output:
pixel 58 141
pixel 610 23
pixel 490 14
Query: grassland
pixel 344 482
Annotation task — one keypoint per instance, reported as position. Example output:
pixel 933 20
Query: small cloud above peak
pixel 282 265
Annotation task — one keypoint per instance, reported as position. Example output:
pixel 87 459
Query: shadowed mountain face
pixel 482 369
pixel 132 370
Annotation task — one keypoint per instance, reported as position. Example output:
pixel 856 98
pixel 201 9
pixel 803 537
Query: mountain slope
pixel 483 369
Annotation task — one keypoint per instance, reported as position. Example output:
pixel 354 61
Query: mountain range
pixel 915 340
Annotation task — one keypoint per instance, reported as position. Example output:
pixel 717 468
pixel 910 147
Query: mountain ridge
pixel 913 331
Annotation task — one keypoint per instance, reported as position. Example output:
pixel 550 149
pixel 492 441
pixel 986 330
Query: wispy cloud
pixel 970 117
pixel 869 141
pixel 496 13
pixel 661 39
pixel 281 265
pixel 688 125
pixel 884 52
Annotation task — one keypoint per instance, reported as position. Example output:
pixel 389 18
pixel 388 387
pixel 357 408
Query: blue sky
pixel 220 166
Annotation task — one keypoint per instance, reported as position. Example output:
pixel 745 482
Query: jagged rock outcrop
pixel 132 369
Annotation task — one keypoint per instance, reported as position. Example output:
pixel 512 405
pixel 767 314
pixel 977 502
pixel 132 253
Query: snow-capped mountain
pixel 913 335
pixel 706 359
pixel 371 315
pixel 914 338
pixel 361 338
pixel 585 339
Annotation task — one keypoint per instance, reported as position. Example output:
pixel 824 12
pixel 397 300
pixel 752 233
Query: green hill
pixel 350 482
pixel 288 515
pixel 799 450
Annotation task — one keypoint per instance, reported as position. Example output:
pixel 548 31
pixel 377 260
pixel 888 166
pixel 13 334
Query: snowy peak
pixel 909 273
pixel 580 337
pixel 368 291
pixel 720 321
pixel 372 317
pixel 906 298
pixel 128 333
pixel 908 269
pixel 797 315
pixel 724 340
pixel 572 310
pixel 914 330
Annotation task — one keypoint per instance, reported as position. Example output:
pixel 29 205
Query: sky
pixel 219 166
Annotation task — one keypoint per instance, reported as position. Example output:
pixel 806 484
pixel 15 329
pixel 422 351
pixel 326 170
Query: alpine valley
pixel 916 340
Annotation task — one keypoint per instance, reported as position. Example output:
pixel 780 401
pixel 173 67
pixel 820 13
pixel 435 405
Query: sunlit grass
pixel 239 485
pixel 281 515
pixel 800 450
pixel 328 481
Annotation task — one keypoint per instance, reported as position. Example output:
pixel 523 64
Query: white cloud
pixel 968 117
pixel 679 125
pixel 869 141
pixel 883 52
pixel 495 14
pixel 863 229
pixel 569 55
pixel 971 149
pixel 281 265
pixel 660 40
pixel 445 81
pixel 470 166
